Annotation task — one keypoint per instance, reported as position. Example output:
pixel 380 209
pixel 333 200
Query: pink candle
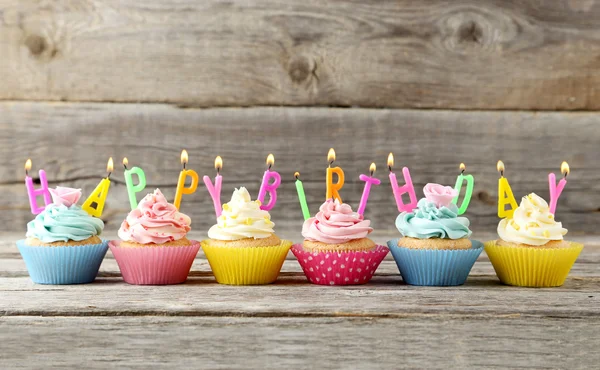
pixel 369 180
pixel 34 193
pixel 215 191
pixel 556 190
pixel 399 190
pixel 269 187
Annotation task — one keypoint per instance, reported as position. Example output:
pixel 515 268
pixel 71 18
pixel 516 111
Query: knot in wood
pixel 300 68
pixel 36 44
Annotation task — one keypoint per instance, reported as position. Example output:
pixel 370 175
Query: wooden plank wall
pixel 82 80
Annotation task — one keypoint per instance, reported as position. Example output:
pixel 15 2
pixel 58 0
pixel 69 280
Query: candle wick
pixel 390 168
pixel 501 173
pixel 269 168
pixel 371 173
pixel 566 173
pixel 184 165
pixel 124 165
pixel 26 173
pixel 218 170
pixel 108 176
pixel 462 172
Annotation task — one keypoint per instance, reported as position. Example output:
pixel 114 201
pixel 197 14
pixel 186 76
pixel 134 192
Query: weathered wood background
pixel 82 80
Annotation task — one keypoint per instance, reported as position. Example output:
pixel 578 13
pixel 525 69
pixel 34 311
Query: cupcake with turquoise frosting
pixel 63 244
pixel 435 247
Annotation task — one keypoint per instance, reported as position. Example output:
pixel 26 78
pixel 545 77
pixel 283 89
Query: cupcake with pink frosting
pixel 336 249
pixel 153 249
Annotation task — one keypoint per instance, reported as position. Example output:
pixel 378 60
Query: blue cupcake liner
pixel 63 265
pixel 435 267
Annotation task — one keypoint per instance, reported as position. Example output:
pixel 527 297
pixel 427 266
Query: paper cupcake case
pixel 531 266
pixel 63 265
pixel 435 267
pixel 339 268
pixel 246 265
pixel 154 265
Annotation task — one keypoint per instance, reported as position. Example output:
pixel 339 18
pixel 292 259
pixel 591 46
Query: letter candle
pixel 33 193
pixel 215 191
pixel 399 190
pixel 468 192
pixel 301 196
pixel 266 187
pixel 132 189
pixel 333 189
pixel 556 190
pixel 505 195
pixel 94 204
pixel 369 180
pixel 181 189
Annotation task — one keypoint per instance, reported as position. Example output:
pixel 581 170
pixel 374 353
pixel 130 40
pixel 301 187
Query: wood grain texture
pixel 464 54
pixel 72 142
pixel 297 343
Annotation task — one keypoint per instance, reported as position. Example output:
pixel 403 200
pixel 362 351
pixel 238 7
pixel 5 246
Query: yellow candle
pixel 333 189
pixel 181 189
pixel 94 204
pixel 505 195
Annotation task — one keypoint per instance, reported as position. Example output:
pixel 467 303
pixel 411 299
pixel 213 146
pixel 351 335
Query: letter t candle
pixel 369 180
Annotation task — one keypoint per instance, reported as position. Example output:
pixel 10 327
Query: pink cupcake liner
pixel 154 265
pixel 339 268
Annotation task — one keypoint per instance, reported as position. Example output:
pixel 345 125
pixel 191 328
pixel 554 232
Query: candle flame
pixel 28 165
pixel 500 166
pixel 125 162
pixel 297 175
pixel 462 167
pixel 184 157
pixel 270 160
pixel 110 165
pixel 331 155
pixel 564 168
pixel 372 168
pixel 390 161
pixel 218 163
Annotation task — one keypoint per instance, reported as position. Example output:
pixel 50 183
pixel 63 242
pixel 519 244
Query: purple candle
pixel 33 192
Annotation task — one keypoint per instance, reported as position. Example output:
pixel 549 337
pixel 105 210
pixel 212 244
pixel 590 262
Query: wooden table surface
pixel 293 324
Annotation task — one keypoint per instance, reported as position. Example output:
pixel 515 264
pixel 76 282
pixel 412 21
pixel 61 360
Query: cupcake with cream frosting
pixel 435 248
pixel 531 250
pixel 243 248
pixel 153 249
pixel 62 244
pixel 336 249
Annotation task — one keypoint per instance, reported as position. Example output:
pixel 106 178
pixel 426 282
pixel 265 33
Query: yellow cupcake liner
pixel 531 266
pixel 246 265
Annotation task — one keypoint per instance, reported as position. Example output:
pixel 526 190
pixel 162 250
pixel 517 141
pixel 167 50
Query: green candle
pixel 302 196
pixel 131 188
pixel 468 192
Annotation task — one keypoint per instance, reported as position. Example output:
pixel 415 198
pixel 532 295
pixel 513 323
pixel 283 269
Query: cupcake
pixel 153 249
pixel 531 251
pixel 62 244
pixel 435 248
pixel 242 248
pixel 336 250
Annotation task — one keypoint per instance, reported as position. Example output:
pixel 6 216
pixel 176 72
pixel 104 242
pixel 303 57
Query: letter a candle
pixel 181 189
pixel 33 192
pixel 556 190
pixel 333 189
pixel 267 187
pixel 505 195
pixel 94 204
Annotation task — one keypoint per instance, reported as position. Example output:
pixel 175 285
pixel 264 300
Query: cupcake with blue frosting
pixel 62 244
pixel 435 248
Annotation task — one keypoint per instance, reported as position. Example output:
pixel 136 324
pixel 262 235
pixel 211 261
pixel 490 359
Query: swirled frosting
pixel 430 221
pixel 154 221
pixel 336 223
pixel 532 223
pixel 61 223
pixel 242 218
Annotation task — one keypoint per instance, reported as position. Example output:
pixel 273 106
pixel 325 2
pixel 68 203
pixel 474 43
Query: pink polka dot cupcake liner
pixel 339 268
pixel 155 265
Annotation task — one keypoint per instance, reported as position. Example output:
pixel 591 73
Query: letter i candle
pixel 33 193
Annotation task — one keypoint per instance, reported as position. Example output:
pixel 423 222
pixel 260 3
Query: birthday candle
pixel 94 204
pixel 132 189
pixel 399 190
pixel 333 189
pixel 33 193
pixel 556 190
pixel 266 187
pixel 369 180
pixel 181 189
pixel 301 196
pixel 215 191
pixel 505 195
pixel 468 192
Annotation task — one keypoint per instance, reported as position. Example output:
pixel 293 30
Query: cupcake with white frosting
pixel 243 248
pixel 531 250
